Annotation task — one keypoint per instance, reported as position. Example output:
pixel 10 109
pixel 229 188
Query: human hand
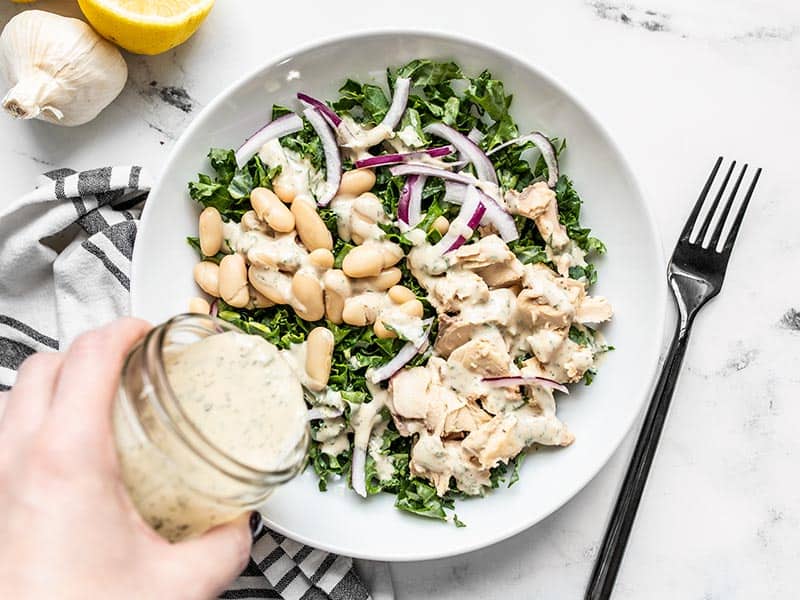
pixel 68 528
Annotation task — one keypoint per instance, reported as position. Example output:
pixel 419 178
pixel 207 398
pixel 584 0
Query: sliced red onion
pixel 454 192
pixel 409 206
pixel 415 201
pixel 404 201
pixel 402 86
pixel 501 219
pixel 214 308
pixel 285 125
pixel 468 149
pixel 495 214
pixel 325 110
pixel 470 215
pixel 385 371
pixel 516 380
pixel 358 471
pixel 417 169
pixel 333 162
pixel 406 353
pixel 318 413
pixel 544 145
pixel 394 159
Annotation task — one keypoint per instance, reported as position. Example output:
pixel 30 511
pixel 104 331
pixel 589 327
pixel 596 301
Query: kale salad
pixel 421 264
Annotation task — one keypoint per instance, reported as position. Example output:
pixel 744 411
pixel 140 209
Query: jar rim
pixel 225 462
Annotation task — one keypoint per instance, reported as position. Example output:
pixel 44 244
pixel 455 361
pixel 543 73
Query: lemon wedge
pixel 146 26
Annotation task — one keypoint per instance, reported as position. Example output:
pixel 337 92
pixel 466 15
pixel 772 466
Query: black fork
pixel 696 272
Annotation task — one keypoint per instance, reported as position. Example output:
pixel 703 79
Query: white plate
pixel 632 276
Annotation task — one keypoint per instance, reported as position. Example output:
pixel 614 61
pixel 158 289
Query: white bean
pixel 199 306
pixel 206 274
pixel 357 182
pixel 399 294
pixel 269 208
pixel 273 284
pixel 322 258
pixel 363 261
pixel 384 280
pixel 319 354
pixel 233 281
pixel 337 281
pixel 307 291
pixel 210 231
pixel 259 300
pixel 284 189
pixel 392 254
pixel 413 308
pixel 369 207
pixel 251 222
pixel 382 332
pixel 310 226
pixel 334 306
pixel 362 309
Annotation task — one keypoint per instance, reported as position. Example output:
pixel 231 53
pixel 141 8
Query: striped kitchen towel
pixel 65 256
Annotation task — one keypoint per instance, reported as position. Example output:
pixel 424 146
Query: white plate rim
pixel 661 293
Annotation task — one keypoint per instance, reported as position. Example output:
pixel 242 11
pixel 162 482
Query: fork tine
pixel 690 222
pixel 740 215
pixel 711 211
pixel 726 210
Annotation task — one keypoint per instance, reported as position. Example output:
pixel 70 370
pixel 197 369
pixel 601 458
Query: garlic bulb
pixel 60 69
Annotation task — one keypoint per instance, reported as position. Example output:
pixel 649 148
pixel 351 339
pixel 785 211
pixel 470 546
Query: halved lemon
pixel 146 26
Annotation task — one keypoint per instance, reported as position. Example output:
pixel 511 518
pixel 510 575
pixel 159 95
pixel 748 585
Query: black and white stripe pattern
pixel 299 572
pixel 65 258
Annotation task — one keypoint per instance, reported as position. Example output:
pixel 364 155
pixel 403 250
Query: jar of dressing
pixel 208 421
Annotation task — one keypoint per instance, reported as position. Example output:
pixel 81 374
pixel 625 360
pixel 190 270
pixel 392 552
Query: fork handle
pixel 612 550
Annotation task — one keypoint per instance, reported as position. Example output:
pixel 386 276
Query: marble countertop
pixel 677 84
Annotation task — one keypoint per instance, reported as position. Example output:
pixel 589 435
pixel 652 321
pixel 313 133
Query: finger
pixel 29 401
pixel 89 378
pixel 3 402
pixel 214 559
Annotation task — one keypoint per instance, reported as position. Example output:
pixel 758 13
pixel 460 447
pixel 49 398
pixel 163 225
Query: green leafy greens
pixel 229 191
pixel 441 91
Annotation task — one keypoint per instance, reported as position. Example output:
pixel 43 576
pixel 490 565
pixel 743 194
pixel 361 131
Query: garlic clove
pixel 31 97
pixel 60 69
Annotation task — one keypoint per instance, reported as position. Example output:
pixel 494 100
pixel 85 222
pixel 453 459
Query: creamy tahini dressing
pixel 296 171
pixel 356 140
pixel 384 465
pixel 358 218
pixel 332 435
pixel 440 460
pixel 244 399
pixel 364 416
pixel 242 395
pixel 406 327
pixel 280 250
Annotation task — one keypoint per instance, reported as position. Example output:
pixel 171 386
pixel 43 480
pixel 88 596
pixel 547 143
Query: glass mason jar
pixel 181 482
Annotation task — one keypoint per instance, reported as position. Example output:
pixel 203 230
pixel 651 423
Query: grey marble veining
pixel 677 83
pixel 632 16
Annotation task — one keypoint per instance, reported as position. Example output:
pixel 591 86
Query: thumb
pixel 210 562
